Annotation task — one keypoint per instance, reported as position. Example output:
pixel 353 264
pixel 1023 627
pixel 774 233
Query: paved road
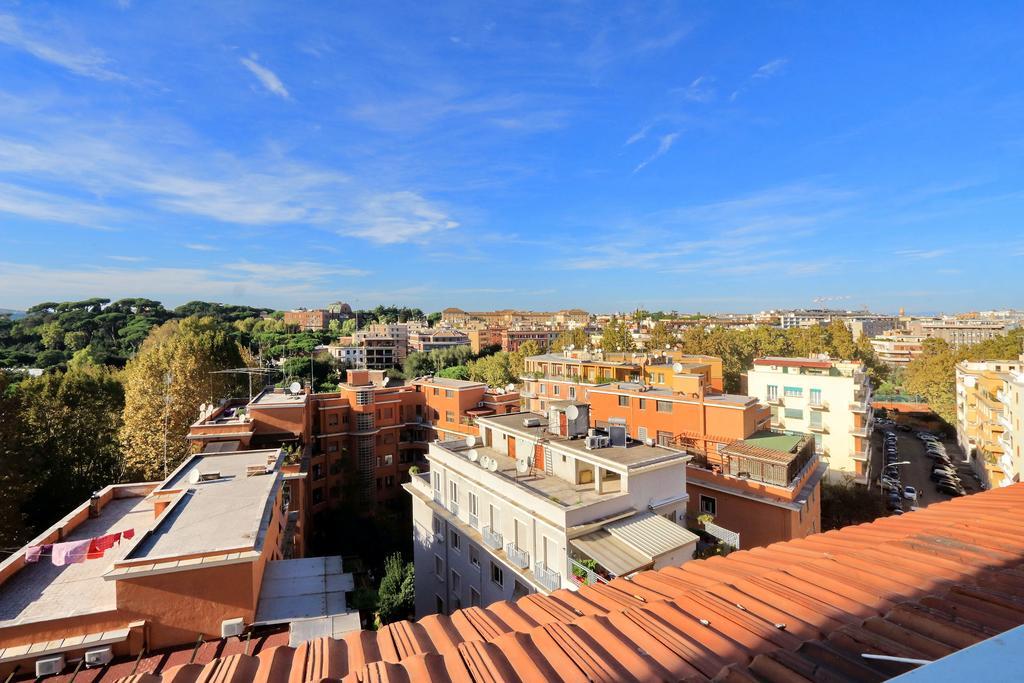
pixel 918 472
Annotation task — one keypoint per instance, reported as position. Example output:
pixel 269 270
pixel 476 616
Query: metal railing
pixel 859 407
pixel 453 507
pixel 862 432
pixel 584 575
pixel 517 556
pixel 818 404
pixel 548 578
pixel 492 538
pixel 474 521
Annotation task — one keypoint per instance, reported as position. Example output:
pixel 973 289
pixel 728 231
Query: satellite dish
pixel 522 465
pixel 510 388
pixel 572 412
pixel 473 455
pixel 470 440
pixel 202 410
pixel 492 464
pixel 295 387
pixel 677 367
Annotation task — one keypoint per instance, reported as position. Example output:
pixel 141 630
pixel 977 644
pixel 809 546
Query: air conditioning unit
pixel 99 656
pixel 480 404
pixel 600 441
pixel 232 627
pixel 49 666
pixel 531 422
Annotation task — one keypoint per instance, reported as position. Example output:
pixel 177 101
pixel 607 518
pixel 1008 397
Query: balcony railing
pixel 517 556
pixel 817 404
pixel 453 507
pixel 546 577
pixel 492 538
pixel 1005 421
pixel 819 428
pixel 583 575
pixel 861 455
pixel 862 432
pixel 775 400
pixel 859 407
pixel 474 521
pixel 438 498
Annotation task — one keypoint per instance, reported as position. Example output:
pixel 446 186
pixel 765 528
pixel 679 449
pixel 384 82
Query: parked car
pixel 938 474
pixel 910 493
pixel 950 489
pixel 903 428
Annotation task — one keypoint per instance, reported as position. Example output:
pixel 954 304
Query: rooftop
pixel 41 591
pixel 786 443
pixel 278 398
pixel 634 455
pixel 920 586
pixel 450 383
pixel 223 514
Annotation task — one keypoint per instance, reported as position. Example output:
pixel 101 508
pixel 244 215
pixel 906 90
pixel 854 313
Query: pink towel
pixel 32 554
pixel 71 552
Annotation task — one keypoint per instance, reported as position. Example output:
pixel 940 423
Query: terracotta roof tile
pixel 921 585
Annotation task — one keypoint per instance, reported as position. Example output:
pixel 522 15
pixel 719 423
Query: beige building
pixel 990 417
pixel 537 503
pixel 830 399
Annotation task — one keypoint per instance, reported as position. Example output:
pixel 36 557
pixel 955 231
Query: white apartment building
pixel 353 356
pixel 990 418
pixel 525 508
pixel 830 399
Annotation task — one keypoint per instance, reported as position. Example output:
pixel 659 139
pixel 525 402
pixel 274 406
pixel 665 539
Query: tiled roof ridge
pixel 758 608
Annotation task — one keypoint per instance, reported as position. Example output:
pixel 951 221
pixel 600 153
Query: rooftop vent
pixel 195 476
pixel 531 422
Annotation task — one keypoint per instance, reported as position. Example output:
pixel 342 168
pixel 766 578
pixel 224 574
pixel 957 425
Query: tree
pixel 616 337
pixel 845 503
pixel 841 344
pixel 577 338
pixel 517 359
pixel 188 352
pixel 493 370
pixel 397 591
pixel 933 376
pixel 418 364
pixel 455 372
pixel 661 338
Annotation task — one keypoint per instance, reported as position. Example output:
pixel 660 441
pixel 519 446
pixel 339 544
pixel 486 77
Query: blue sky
pixel 705 156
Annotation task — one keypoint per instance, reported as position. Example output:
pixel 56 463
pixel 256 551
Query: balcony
pixel 546 577
pixel 492 539
pixel 775 400
pixel 1005 421
pixel 817 404
pixel 584 575
pixel 777 423
pixel 821 452
pixel 1005 442
pixel 859 407
pixel 517 556
pixel 453 507
pixel 474 521
pixel 863 456
pixel 820 428
pixel 862 432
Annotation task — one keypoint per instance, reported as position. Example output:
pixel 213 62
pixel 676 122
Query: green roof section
pixel 775 441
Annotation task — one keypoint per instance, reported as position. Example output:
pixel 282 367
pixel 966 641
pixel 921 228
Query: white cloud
pixel 922 254
pixel 770 69
pixel 44 206
pixel 664 145
pixel 699 90
pixel 89 63
pixel 129 259
pixel 639 135
pixel 388 218
pixel 267 77
pixel 196 246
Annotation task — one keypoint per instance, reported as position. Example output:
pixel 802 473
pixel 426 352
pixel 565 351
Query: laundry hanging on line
pixel 74 552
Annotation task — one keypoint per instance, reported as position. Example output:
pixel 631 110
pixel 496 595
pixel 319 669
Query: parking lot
pixel 917 472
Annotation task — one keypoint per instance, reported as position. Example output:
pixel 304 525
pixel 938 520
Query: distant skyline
pixel 689 156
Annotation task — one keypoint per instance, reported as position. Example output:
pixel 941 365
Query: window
pixel 794 413
pixel 708 505
pixel 456 583
pixel 318 496
pixel 449 416
pixel 456 541
pixel 643 404
pixel 453 491
pixel 439 567
pixel 440 604
pixel 624 401
pixel 497 575
pixel 448 393
pixel 572 393
pixel 437 482
pixel 540 389
pixel 664 406
pixel 436 523
pixel 318 472
pixel 794 392
pixel 661 378
pixel 557 389
pixel 641 433
pixel 474 507
pixel 332 419
pixel 389 458
pixel 816 397
pixel 474 597
pixel 815 419
pixel 474 556
pixel 436 392
pixel 389 481
pixel 773 392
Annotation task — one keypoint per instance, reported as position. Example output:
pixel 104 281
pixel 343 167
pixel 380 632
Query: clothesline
pixel 73 552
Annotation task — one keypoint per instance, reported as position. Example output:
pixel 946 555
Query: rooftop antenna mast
pixel 249 372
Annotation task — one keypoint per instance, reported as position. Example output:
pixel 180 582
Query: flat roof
pixel 278 398
pixel 450 383
pixel 634 455
pixel 41 591
pixel 222 514
pixel 775 441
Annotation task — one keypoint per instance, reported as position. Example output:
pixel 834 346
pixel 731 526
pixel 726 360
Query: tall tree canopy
pixel 188 352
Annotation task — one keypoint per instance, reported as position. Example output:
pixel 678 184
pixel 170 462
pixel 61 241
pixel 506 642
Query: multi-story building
pixel 538 503
pixel 829 399
pixel 399 332
pixel 203 554
pixel 436 338
pixel 356 444
pixel 860 323
pixel 352 354
pixel 512 339
pixel 897 350
pixel 990 417
pixel 482 337
pixel 573 317
pixel 961 331
pixel 381 353
pixel 317 319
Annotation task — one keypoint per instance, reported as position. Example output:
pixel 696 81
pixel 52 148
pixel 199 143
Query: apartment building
pixel 452 406
pixel 573 317
pixel 961 331
pixel 201 555
pixel 897 350
pixel 513 338
pixel 860 323
pixel 381 353
pixel 482 337
pixel 436 338
pixel 317 319
pixel 829 399
pixel 348 352
pixel 538 503
pixel 990 417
